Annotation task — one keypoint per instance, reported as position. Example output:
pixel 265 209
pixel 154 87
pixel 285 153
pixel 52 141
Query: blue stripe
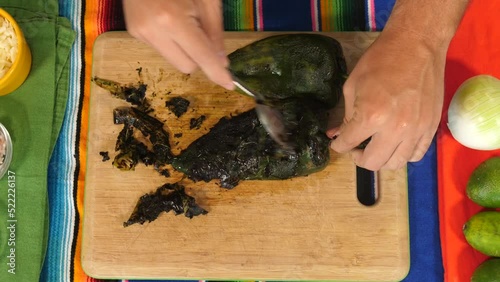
pixel 58 260
pixel 319 18
pixel 383 9
pixel 287 15
pixel 425 251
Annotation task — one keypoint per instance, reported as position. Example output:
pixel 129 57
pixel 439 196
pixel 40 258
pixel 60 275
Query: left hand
pixel 394 95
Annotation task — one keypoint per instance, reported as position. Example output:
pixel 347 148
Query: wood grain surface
pixel 306 228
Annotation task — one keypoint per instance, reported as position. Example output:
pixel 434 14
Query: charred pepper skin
pixel 168 197
pixel 178 105
pixel 134 94
pixel 239 148
pixel 150 127
pixel 131 151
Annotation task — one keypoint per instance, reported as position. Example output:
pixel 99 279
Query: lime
pixel 488 271
pixel 483 186
pixel 482 232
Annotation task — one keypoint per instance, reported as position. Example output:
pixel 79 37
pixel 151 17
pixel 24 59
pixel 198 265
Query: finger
pixel 171 51
pixel 197 46
pixel 376 154
pixel 401 155
pixel 348 93
pixel 421 148
pixel 350 135
pixel 211 20
pixel 349 96
pixel 425 142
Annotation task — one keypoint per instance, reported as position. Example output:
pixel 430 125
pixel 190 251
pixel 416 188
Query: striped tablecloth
pixel 67 168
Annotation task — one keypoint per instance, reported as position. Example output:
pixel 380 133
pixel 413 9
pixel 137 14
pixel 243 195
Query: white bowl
pixel 5 150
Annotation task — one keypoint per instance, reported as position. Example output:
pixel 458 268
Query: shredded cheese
pixel 8 46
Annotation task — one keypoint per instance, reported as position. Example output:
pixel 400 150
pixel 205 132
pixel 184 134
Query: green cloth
pixel 33 115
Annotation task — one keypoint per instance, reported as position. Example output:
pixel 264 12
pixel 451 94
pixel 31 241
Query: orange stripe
pixel 249 15
pixel 325 19
pixel 91 18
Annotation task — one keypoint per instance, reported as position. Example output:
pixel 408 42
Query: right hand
pixel 188 33
pixel 394 95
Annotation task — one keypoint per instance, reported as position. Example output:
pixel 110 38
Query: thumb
pixel 348 95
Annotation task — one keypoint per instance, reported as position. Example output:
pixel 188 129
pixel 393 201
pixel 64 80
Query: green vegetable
pixel 293 66
pixel 483 186
pixel 482 232
pixel 302 75
pixel 488 271
pixel 474 113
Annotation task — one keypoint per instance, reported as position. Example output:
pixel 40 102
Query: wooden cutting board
pixel 307 228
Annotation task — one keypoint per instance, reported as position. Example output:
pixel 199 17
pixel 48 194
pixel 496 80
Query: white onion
pixel 474 113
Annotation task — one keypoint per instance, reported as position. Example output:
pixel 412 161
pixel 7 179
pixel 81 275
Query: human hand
pixel 188 33
pixel 394 95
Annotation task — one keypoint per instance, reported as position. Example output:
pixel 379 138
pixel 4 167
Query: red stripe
pixel 260 15
pixel 373 24
pixel 314 16
pixel 107 6
pixel 111 14
pixel 99 19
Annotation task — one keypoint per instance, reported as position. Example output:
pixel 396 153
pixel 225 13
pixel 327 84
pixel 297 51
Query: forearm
pixel 436 21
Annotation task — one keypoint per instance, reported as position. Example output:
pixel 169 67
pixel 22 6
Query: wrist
pixel 432 22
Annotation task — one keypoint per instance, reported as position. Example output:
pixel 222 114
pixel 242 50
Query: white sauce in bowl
pixel 3 148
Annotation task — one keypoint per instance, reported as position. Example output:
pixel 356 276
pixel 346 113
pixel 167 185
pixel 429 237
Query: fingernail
pixel 332 133
pixel 229 86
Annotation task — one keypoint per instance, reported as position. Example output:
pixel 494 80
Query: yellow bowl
pixel 21 66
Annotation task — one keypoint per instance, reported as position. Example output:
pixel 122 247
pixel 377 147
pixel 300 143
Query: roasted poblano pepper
pixel 292 66
pixel 303 75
